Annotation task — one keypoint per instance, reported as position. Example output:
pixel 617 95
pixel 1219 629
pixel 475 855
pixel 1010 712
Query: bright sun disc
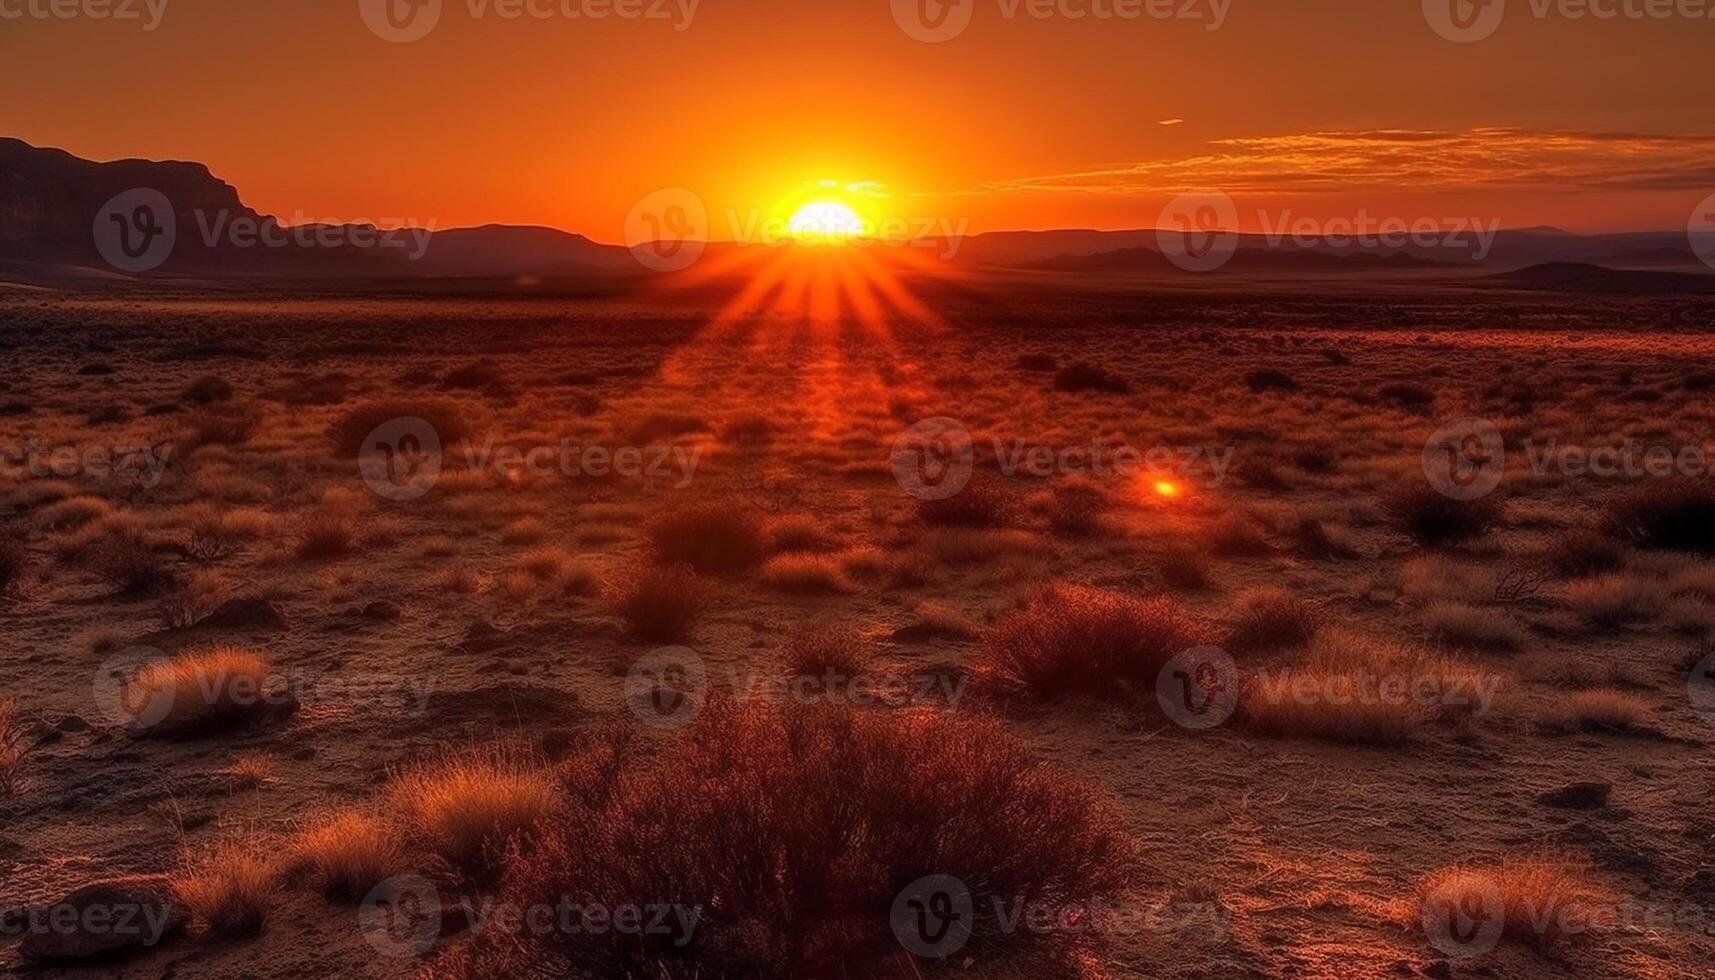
pixel 825 221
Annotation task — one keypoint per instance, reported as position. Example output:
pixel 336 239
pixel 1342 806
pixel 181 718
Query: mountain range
pixel 55 209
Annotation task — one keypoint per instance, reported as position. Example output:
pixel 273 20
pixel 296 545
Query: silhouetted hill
pixel 1586 277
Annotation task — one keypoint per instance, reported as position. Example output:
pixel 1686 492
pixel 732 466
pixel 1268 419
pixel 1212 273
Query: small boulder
pixel 245 614
pixel 381 611
pixel 1577 796
pixel 108 918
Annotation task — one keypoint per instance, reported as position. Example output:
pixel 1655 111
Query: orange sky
pixel 1019 122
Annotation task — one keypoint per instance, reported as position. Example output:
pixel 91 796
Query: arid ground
pixel 770 675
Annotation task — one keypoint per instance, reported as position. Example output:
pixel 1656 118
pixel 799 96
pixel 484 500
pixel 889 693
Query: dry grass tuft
pixel 467 809
pixel 1669 515
pixel 801 825
pixel 1434 520
pixel 821 650
pixel 201 688
pixel 981 504
pixel 1600 710
pixel 803 573
pixel 1474 626
pixel 250 771
pixel 13 748
pixel 1272 618
pixel 72 513
pixel 659 605
pixel 709 537
pixel 1074 638
pixel 1540 900
pixel 326 535
pixel 350 853
pixel 230 886
pixel 1355 688
pixel 352 428
pixel 1616 599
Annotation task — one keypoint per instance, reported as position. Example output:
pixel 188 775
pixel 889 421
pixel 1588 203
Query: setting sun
pixel 826 221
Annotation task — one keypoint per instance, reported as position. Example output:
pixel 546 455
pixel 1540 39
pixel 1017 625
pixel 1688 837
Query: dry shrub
pixel 250 771
pixel 230 425
pixel 1615 599
pixel 1474 626
pixel 749 430
pixel 1601 709
pixel 207 390
pixel 199 689
pixel 229 886
pixel 72 513
pixel 1668 515
pixel 190 601
pixel 794 828
pixel 820 650
pixel 326 535
pixel 709 537
pixel 525 530
pixel 350 853
pixel 1272 618
pixel 129 563
pixel 659 605
pixel 13 562
pixel 1075 506
pixel 973 545
pixel 1237 536
pixel 352 428
pixel 800 532
pixel 805 574
pixel 1433 519
pixel 13 747
pixel 1437 577
pixel 1323 540
pixel 1074 638
pixel 981 504
pixel 1538 898
pixel 1183 567
pixel 466 809
pixel 1584 552
pixel 560 568
pixel 1345 691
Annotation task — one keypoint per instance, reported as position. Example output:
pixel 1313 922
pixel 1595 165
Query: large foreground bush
pixel 794 829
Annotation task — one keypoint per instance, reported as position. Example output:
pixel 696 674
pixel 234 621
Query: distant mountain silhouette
pixel 50 202
pixel 511 250
pixel 1249 257
pixel 1585 277
pixel 54 206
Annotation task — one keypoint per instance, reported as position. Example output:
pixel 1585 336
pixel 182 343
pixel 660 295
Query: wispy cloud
pixel 1405 160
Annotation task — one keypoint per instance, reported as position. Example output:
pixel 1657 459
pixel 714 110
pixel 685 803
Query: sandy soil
pixel 1304 852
